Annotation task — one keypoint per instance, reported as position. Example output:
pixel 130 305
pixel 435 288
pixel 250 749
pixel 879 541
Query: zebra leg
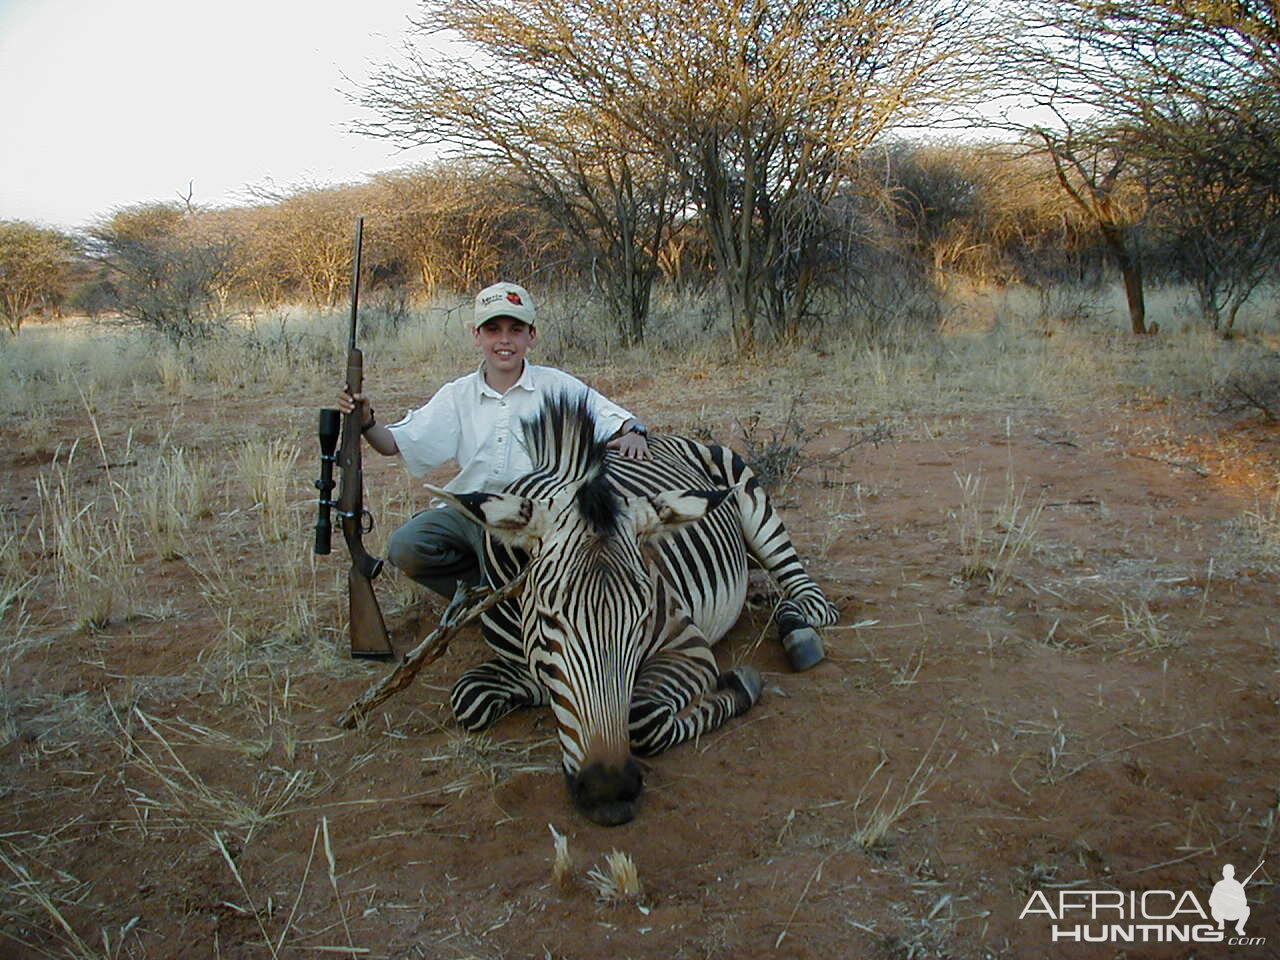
pixel 486 693
pixel 680 694
pixel 804 607
pixel 667 708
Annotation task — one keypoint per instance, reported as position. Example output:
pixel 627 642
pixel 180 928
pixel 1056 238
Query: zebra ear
pixel 515 519
pixel 672 509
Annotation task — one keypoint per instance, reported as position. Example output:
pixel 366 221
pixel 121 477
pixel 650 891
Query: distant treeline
pixel 927 214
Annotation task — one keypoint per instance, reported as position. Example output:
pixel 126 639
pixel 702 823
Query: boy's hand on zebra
pixel 632 446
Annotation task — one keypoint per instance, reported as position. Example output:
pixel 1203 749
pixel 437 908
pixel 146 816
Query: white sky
pixel 105 103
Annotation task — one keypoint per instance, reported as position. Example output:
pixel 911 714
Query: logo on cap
pixel 514 297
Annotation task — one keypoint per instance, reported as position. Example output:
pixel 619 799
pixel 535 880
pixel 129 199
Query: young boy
pixel 475 421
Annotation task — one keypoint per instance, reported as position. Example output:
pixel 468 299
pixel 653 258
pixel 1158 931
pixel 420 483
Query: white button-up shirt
pixel 469 422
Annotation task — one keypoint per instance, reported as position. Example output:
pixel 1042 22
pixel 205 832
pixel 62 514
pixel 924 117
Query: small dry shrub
pixel 777 454
pixel 1254 388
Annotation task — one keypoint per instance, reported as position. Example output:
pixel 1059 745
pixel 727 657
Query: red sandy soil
pixel 1049 744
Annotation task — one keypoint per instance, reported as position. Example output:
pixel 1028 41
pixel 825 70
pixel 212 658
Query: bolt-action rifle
pixel 368 630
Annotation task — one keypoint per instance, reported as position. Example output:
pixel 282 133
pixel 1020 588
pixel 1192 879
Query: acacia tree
pixel 504 102
pixel 34 263
pixel 305 235
pixel 1153 64
pixel 456 225
pixel 756 107
pixel 1221 223
pixel 765 107
pixel 1091 170
pixel 1158 75
pixel 160 272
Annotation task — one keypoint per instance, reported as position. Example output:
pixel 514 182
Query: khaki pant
pixel 440 549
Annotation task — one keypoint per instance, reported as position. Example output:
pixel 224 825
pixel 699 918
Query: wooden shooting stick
pixel 461 611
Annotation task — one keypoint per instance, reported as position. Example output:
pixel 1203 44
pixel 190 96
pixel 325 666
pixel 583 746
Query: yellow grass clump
pixel 618 881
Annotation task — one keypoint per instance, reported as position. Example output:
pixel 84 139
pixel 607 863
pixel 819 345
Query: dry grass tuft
pixel 174 372
pixel 562 865
pixel 17 583
pixel 92 547
pixel 1260 529
pixel 270 470
pixel 993 555
pixel 619 881
pixel 271 601
pixel 477 760
pixel 172 493
pixel 186 799
pixel 871 830
pixel 1135 628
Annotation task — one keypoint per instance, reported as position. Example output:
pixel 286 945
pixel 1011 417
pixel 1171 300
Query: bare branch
pixel 460 612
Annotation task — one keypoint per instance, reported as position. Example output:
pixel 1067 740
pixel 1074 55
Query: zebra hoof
pixel 746 681
pixel 804 648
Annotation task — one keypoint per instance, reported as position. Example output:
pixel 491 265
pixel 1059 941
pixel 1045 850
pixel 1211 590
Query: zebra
pixel 636 568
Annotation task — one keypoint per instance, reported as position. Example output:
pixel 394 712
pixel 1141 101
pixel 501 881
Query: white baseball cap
pixel 504 300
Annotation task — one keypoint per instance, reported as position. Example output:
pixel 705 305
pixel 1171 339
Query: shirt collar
pixel 526 381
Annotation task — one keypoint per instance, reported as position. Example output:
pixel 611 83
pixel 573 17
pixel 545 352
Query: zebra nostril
pixel 631 781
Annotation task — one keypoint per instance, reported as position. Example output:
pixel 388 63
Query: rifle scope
pixel 330 427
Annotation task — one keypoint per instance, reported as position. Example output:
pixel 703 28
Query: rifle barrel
pixel 355 282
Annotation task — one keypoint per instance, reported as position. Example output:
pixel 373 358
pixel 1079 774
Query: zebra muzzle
pixel 607 794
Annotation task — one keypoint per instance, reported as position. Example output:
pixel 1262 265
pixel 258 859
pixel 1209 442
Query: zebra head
pixel 594 605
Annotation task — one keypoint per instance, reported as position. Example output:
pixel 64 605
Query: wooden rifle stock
pixel 368 630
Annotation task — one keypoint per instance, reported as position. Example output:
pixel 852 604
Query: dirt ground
pixel 1095 709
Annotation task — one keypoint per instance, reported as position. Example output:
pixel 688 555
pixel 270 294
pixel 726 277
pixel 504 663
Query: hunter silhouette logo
pixel 1148 916
pixel 1228 902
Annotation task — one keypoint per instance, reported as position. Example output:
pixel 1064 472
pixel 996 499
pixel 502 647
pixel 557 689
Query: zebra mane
pixel 562 444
